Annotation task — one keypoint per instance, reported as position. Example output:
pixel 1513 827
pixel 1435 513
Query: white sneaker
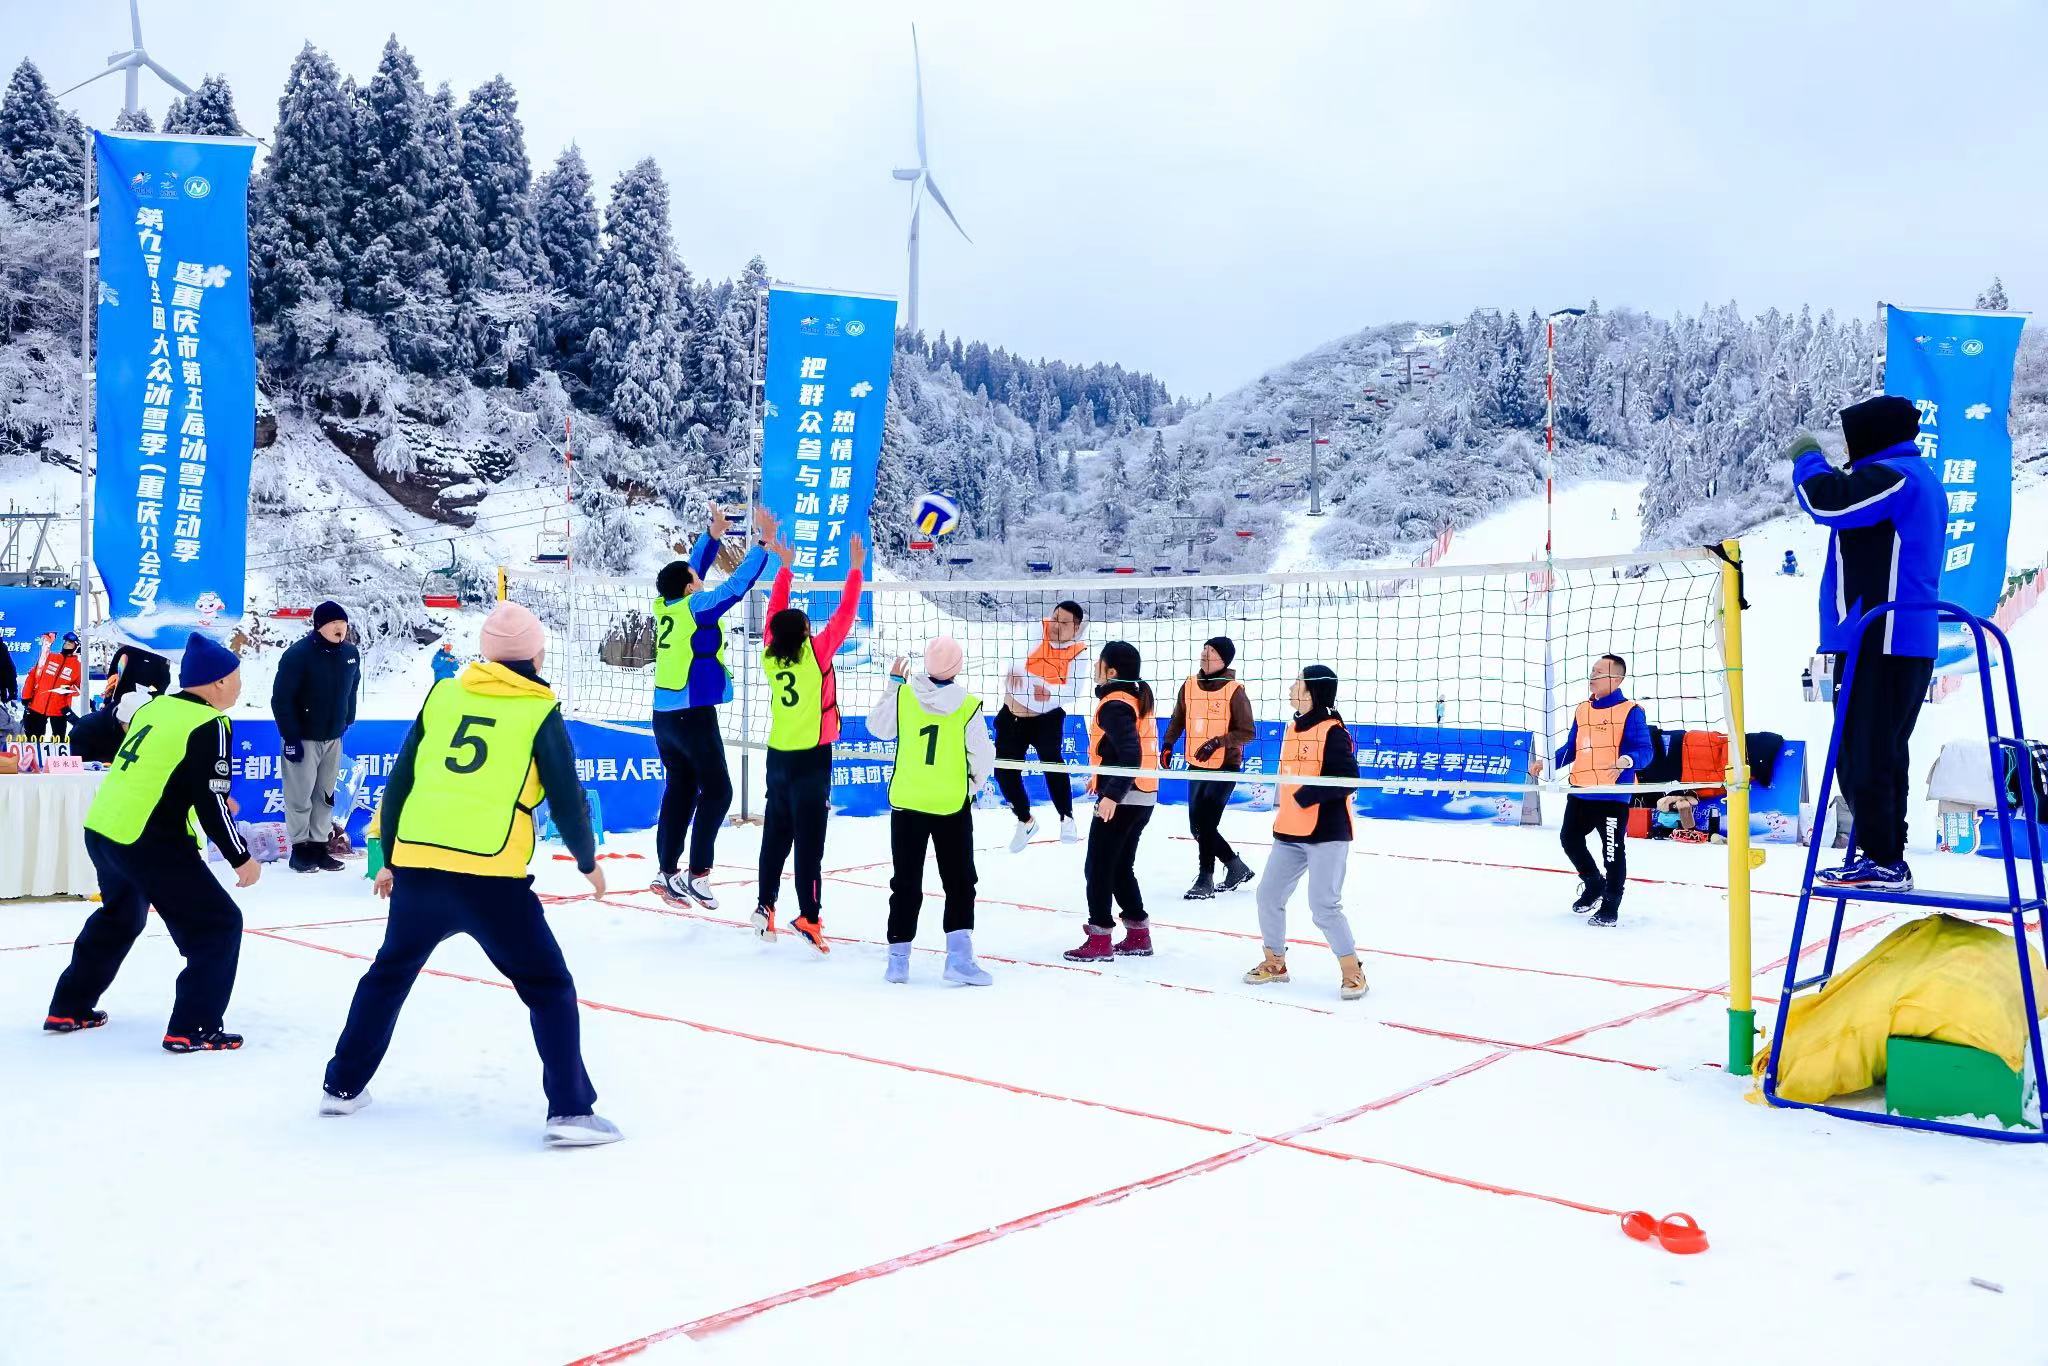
pixel 581 1131
pixel 699 891
pixel 1069 832
pixel 331 1104
pixel 1025 830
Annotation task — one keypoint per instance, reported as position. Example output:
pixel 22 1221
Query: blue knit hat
pixel 206 661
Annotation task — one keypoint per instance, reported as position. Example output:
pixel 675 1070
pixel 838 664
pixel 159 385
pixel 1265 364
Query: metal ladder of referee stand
pixel 2012 903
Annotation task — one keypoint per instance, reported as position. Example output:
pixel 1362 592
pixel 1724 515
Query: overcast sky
pixel 1205 191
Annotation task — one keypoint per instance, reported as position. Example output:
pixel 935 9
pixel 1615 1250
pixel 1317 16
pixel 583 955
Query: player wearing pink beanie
pixel 512 633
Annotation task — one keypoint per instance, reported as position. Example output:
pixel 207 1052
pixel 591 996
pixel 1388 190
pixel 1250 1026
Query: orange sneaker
pixel 811 932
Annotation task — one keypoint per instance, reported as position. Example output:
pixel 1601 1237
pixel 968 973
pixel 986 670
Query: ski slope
pixel 1143 1161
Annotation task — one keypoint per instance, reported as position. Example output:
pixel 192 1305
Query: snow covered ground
pixel 1146 1161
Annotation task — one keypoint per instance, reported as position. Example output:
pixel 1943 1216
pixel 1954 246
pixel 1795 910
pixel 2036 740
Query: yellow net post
pixel 1741 1010
pixel 501 583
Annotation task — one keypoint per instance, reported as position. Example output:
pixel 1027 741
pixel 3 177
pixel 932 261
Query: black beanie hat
pixel 1122 658
pixel 328 611
pixel 1878 424
pixel 1322 685
pixel 1223 647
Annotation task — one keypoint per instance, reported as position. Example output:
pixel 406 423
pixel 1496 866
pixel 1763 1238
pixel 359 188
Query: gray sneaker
pixel 581 1131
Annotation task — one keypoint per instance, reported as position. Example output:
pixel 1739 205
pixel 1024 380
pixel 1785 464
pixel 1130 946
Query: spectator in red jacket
pixel 55 683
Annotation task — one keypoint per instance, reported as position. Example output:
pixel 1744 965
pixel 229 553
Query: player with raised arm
pixel 691 683
pixel 803 709
pixel 1039 692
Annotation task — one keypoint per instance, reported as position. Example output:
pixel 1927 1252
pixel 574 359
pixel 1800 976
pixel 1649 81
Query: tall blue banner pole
pixel 174 380
pixel 1956 365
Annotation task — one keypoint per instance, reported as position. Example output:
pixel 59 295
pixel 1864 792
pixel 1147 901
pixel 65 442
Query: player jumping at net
pixel 1122 734
pixel 457 831
pixel 1311 833
pixel 691 683
pixel 1214 715
pixel 1040 690
pixel 803 709
pixel 1609 741
pixel 172 767
pixel 943 756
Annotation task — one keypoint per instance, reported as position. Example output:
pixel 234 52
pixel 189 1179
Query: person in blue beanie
pixel 691 682
pixel 172 766
pixel 1886 514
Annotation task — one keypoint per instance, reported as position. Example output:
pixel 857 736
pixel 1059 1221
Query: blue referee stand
pixel 2016 902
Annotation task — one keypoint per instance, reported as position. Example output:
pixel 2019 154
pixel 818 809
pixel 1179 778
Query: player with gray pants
pixel 314 700
pixel 1311 833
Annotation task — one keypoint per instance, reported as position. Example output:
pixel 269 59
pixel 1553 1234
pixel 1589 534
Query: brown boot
pixel 1272 969
pixel 1352 985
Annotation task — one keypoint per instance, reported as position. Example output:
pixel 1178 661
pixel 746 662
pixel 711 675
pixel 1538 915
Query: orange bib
pixel 1301 756
pixel 1052 663
pixel 1148 744
pixel 1208 718
pixel 1599 745
pixel 1703 758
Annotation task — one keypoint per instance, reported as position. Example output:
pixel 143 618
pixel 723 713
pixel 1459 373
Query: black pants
pixel 203 919
pixel 1609 822
pixel 699 790
pixel 799 801
pixel 34 724
pixel 504 917
pixel 1112 866
pixel 1206 802
pixel 952 842
pixel 1017 734
pixel 1877 730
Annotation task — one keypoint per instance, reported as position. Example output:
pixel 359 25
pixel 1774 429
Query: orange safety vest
pixel 1208 718
pixel 1703 758
pixel 1052 663
pixel 1599 744
pixel 1301 756
pixel 1148 742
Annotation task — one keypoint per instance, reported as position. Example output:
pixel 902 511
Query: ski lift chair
pixel 439 590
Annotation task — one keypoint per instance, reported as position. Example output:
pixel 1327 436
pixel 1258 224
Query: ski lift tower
pixel 26 558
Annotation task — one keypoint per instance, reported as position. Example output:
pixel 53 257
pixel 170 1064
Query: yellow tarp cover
pixel 1937 978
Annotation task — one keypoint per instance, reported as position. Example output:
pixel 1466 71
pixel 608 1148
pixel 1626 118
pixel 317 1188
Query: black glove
pixel 1208 749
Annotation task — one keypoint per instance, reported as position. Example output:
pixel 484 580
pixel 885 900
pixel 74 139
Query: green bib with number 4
pixel 150 753
pixel 471 767
pixel 796 700
pixel 931 756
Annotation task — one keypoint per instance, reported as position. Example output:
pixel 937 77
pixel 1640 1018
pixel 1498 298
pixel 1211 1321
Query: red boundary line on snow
pixel 714 1323
pixel 1310 943
pixel 1517 867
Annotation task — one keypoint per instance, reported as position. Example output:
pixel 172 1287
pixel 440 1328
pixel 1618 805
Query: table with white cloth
pixel 42 834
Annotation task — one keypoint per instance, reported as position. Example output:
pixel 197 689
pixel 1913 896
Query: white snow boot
pixel 331 1104
pixel 581 1131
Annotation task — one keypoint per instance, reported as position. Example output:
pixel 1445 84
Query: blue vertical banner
pixel 825 395
pixel 175 377
pixel 1956 365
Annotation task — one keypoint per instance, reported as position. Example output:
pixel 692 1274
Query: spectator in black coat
pixel 314 700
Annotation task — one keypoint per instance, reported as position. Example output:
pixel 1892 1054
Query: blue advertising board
pixel 27 614
pixel 175 376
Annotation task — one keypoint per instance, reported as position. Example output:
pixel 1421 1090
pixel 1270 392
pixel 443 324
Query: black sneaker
pixel 202 1041
pixel 71 1024
pixel 1204 888
pixel 1589 897
pixel 1603 917
pixel 1237 874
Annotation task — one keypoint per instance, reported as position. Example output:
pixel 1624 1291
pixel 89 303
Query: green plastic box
pixel 1927 1079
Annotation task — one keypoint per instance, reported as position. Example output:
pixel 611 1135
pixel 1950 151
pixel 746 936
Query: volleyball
pixel 935 515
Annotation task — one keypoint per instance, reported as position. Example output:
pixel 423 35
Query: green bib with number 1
pixel 474 755
pixel 931 756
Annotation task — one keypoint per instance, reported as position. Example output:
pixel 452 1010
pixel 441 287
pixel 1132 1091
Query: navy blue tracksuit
pixel 503 915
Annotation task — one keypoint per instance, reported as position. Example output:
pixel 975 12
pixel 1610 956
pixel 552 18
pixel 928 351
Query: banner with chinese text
pixel 1956 366
pixel 175 376
pixel 825 394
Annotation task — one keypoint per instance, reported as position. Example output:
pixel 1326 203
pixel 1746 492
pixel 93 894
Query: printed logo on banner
pixel 197 187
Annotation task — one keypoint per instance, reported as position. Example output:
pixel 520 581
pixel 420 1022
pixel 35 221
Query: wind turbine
pixel 131 63
pixel 920 178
